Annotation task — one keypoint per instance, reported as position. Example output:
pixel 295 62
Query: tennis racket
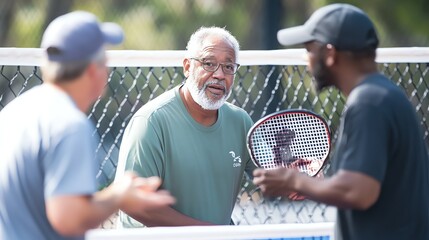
pixel 297 139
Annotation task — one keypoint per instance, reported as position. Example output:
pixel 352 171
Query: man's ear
pixel 91 70
pixel 186 66
pixel 330 56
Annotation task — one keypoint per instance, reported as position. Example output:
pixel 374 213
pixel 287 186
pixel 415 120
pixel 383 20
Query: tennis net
pixel 313 231
pixel 267 81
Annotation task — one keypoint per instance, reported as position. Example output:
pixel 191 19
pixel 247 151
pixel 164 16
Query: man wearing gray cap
pixel 47 166
pixel 381 181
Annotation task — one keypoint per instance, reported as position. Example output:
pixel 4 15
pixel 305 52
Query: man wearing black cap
pixel 47 166
pixel 381 179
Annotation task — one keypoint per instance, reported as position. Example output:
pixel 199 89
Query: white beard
pixel 200 97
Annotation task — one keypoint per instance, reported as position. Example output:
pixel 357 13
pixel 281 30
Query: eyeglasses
pixel 212 66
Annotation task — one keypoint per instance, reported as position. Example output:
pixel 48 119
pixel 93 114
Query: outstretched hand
pixel 138 194
pixel 275 182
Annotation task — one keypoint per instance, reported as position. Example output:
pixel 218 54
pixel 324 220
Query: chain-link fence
pixel 259 89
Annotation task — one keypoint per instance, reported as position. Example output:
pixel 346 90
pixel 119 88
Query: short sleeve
pixel 141 149
pixel 69 165
pixel 250 166
pixel 365 141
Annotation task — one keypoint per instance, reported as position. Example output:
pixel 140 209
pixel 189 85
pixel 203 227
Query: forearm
pixel 167 216
pixel 74 215
pixel 339 190
pixel 324 190
pixel 102 205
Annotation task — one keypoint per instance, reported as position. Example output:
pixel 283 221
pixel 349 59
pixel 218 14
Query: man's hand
pixel 310 166
pixel 275 182
pixel 138 194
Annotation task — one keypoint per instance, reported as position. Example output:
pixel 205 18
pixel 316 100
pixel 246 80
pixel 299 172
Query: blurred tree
pixel 7 11
pixel 167 24
pixel 272 11
pixel 399 23
pixel 57 8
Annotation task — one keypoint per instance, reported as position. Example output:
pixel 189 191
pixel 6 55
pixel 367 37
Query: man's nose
pixel 219 72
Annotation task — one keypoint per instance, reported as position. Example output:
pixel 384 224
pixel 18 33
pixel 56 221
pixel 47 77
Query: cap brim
pixel 294 35
pixel 112 32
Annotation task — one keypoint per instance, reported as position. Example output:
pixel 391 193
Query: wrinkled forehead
pixel 218 47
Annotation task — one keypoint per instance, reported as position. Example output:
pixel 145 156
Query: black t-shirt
pixel 380 136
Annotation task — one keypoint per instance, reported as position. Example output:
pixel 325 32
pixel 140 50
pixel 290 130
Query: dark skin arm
pixel 345 189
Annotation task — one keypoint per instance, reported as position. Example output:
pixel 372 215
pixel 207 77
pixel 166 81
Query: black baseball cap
pixel 344 26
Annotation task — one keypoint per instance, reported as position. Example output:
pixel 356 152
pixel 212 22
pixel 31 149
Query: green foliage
pixel 27 26
pixel 167 24
pixel 399 23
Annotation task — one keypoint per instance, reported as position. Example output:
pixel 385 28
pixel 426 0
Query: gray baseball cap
pixel 344 26
pixel 78 36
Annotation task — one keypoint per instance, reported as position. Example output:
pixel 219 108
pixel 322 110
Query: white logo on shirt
pixel 236 162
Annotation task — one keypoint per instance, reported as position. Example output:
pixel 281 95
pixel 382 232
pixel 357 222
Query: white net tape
pixel 170 58
pixel 314 231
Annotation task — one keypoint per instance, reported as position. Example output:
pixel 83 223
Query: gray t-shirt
pixel 46 150
pixel 380 136
pixel 201 166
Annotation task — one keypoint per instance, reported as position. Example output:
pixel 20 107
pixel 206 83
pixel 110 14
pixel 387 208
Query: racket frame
pixel 283 112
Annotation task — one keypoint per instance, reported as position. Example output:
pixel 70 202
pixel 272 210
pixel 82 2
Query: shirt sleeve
pixel 365 141
pixel 141 149
pixel 69 165
pixel 140 152
pixel 250 166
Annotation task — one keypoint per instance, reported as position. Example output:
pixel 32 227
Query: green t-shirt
pixel 201 166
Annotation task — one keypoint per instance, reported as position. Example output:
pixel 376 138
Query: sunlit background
pixel 167 24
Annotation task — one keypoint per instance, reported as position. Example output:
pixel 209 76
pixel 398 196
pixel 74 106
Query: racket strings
pixel 284 139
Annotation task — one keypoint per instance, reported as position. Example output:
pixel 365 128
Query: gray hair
pixel 60 72
pixel 198 37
